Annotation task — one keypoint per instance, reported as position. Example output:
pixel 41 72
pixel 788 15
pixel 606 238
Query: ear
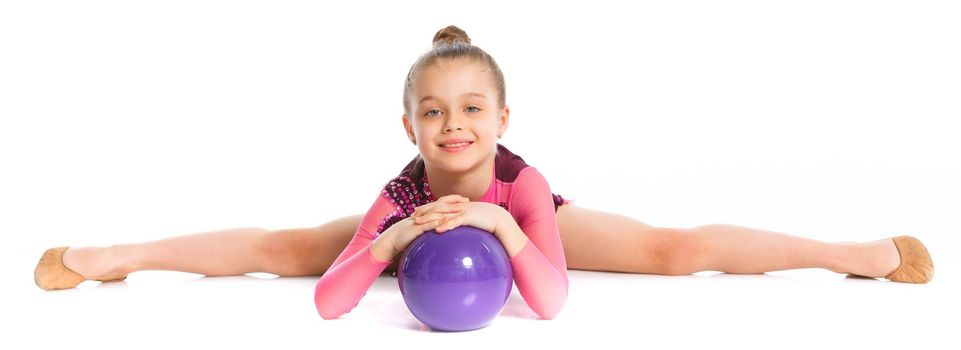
pixel 409 129
pixel 503 121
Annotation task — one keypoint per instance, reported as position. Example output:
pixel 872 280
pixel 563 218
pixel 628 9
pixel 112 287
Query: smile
pixel 456 147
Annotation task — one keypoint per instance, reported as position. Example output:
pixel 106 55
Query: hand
pixel 425 218
pixel 442 209
pixel 481 215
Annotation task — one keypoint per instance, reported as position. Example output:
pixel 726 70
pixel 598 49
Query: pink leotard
pixel 540 270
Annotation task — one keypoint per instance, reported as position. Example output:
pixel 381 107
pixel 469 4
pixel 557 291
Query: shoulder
pixel 511 168
pixel 531 180
pixel 507 165
pixel 529 191
pixel 531 198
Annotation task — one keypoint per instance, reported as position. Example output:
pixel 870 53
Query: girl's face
pixel 455 99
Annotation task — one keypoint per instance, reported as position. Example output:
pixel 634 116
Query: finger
pixel 454 198
pixel 436 215
pixel 451 208
pixel 421 209
pixel 433 218
pixel 445 208
pixel 436 224
pixel 429 226
pixel 452 221
pixel 445 200
pixel 428 218
pixel 449 224
pixel 426 208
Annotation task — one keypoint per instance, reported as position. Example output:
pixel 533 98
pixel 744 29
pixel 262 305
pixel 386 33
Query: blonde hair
pixel 450 43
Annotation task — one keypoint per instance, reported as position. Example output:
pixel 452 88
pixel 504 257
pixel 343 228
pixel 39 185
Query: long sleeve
pixel 540 269
pixel 347 280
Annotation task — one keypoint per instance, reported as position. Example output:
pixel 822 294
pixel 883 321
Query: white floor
pixel 808 308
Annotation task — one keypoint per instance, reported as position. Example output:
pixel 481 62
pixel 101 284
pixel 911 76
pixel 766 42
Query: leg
pixel 624 244
pixel 611 247
pixel 737 249
pixel 287 252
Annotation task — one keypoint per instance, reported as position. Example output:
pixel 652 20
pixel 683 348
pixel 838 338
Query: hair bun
pixel 450 35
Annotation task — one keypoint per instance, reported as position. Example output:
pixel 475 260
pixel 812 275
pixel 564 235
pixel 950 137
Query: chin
pixel 457 166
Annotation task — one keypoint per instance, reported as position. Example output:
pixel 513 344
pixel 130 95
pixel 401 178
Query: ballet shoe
pixel 916 265
pixel 52 274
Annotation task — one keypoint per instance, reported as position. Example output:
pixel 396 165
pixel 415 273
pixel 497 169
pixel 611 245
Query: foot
pixel 52 274
pixel 916 265
pixel 93 263
pixel 875 259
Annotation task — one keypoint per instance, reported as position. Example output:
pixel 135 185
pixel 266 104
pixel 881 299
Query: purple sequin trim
pixel 558 201
pixel 406 196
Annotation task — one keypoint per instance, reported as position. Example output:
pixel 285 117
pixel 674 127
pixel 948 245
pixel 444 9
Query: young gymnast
pixel 454 112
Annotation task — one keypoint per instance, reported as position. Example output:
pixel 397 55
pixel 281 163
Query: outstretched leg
pixel 235 251
pixel 623 244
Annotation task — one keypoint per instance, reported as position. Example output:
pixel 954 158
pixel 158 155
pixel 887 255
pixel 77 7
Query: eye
pixel 475 110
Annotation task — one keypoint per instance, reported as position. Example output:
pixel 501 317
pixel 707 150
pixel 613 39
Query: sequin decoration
pixel 406 196
pixel 558 201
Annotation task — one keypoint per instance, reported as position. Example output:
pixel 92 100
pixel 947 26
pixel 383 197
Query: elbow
pixel 327 314
pixel 330 310
pixel 548 315
pixel 326 309
pixel 324 304
pixel 545 303
pixel 549 311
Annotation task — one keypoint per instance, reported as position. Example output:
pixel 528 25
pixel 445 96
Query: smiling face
pixel 455 99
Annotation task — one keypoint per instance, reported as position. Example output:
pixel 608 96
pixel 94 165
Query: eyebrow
pixel 465 94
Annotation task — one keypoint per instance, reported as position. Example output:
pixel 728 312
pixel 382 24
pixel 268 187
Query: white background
pixel 127 121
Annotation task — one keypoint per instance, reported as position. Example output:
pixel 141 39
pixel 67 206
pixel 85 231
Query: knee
pixel 675 251
pixel 282 253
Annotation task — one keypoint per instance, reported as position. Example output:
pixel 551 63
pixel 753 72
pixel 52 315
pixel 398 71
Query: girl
pixel 454 104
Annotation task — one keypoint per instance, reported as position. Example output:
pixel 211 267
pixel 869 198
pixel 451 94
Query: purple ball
pixel 458 280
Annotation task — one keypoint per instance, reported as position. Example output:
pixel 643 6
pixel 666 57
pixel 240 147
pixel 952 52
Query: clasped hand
pixel 451 211
pixel 443 215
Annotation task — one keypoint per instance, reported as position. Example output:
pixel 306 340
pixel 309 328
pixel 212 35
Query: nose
pixel 453 123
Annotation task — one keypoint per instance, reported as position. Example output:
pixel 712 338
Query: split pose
pixel 454 112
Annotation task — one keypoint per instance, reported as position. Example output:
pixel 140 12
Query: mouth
pixel 456 147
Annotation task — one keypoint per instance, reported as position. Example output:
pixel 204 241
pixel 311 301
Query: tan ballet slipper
pixel 52 274
pixel 916 265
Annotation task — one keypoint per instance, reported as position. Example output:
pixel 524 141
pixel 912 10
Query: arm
pixel 347 280
pixel 343 285
pixel 540 269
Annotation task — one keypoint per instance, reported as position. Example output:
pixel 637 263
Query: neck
pixel 472 184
